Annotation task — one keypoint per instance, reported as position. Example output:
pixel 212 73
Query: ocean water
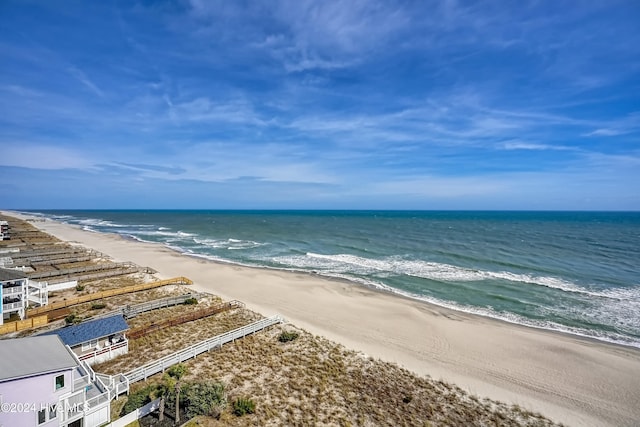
pixel 576 272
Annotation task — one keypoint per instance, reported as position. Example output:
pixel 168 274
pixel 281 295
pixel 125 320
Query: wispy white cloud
pixel 82 78
pixel 204 109
pixel 523 145
pixel 306 35
pixel 621 126
pixel 41 156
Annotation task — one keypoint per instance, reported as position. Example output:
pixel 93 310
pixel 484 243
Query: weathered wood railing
pixel 184 318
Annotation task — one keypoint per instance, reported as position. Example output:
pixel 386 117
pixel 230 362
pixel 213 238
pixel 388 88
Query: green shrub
pixel 72 319
pixel 177 371
pixel 79 287
pixel 139 399
pixel 288 336
pixel 206 398
pixel 98 305
pixel 190 301
pixel 242 406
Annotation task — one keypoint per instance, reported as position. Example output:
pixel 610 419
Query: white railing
pixel 109 350
pixel 116 384
pixel 89 377
pixel 13 290
pixel 62 286
pixel 143 372
pixel 12 306
pixel 98 400
pixel 80 383
pixel 37 285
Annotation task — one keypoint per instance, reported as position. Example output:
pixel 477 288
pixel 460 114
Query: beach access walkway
pixel 106 294
pixel 119 383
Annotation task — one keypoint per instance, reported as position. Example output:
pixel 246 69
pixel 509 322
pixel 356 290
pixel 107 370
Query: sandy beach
pixel 571 380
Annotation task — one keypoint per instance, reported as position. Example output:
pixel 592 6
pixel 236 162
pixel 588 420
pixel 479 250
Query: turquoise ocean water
pixel 576 272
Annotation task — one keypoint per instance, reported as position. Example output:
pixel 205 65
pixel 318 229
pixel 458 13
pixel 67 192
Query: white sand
pixel 575 381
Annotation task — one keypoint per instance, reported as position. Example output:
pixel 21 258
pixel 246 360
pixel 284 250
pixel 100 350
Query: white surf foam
pixel 345 263
pixel 231 244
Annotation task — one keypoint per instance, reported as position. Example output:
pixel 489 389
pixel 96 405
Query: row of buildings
pixel 47 380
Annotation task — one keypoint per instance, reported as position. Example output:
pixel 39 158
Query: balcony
pixel 12 306
pixel 106 352
pixel 13 290
pixel 89 400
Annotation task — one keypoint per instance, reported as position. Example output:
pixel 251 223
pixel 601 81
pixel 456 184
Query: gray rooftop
pixel 91 330
pixel 27 357
pixel 8 274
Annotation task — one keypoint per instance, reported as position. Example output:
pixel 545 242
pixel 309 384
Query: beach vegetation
pixel 204 398
pixel 172 388
pixel 287 336
pixel 72 319
pixel 243 406
pixel 139 398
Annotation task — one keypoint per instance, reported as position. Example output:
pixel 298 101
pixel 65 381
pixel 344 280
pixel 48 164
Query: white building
pixel 4 231
pixel 96 341
pixel 17 291
pixel 43 384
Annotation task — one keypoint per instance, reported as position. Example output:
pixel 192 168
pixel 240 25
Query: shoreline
pixel 382 289
pixel 569 378
pixel 519 321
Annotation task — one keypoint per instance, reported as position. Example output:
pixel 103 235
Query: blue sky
pixel 327 104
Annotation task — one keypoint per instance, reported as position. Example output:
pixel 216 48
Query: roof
pixel 27 357
pixel 8 274
pixel 91 330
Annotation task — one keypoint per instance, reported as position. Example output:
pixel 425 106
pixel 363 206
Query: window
pixel 53 412
pixel 49 410
pixel 42 416
pixel 59 382
pixel 89 345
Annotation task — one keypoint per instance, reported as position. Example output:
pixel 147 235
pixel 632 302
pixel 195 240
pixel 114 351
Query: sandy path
pixel 575 381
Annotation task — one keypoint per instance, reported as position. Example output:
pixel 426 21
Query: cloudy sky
pixel 326 104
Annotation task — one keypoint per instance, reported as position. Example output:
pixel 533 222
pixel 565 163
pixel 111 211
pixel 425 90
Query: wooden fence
pixel 20 325
pixel 106 294
pixel 178 320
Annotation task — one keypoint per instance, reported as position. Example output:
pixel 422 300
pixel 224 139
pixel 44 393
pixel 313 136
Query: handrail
pixel 145 371
pixel 110 293
pixel 103 350
pixel 131 311
pixel 79 270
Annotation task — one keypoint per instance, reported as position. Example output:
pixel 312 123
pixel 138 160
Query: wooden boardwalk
pixel 106 294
